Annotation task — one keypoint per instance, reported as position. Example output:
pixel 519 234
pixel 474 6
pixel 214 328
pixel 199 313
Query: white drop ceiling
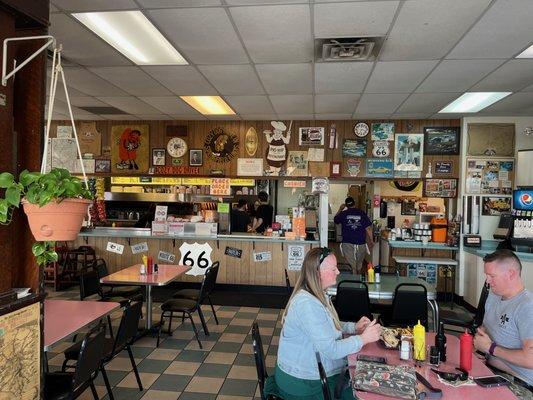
pixel 259 56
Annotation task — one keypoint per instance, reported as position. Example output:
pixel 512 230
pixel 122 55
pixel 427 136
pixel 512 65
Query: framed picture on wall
pixel 442 140
pixel 102 166
pixel 335 169
pixel 196 158
pixel 158 156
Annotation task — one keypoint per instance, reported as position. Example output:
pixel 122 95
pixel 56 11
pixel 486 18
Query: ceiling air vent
pixel 347 49
pixel 103 110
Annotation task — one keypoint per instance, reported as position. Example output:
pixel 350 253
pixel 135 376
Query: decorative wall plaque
pixel 221 146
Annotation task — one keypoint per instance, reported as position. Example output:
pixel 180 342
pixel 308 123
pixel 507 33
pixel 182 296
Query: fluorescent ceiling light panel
pixel 527 53
pixel 133 35
pixel 472 102
pixel 208 105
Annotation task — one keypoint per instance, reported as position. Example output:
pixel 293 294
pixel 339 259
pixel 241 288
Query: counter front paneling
pixel 243 271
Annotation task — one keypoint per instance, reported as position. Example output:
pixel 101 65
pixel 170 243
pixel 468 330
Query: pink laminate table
pixel 131 276
pixel 465 392
pixel 65 317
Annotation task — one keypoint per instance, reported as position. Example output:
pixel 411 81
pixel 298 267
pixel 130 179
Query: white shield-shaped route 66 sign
pixel 197 256
pixel 381 149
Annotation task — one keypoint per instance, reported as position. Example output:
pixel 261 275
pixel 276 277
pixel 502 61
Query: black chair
pixel 450 317
pixel 109 290
pixel 408 306
pixel 323 378
pixel 260 365
pixel 126 334
pixel 187 306
pixel 194 294
pixel 287 283
pixel 352 301
pixel 70 385
pixel 345 267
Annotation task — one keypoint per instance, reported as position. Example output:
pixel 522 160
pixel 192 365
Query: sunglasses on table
pixel 325 252
pixel 452 376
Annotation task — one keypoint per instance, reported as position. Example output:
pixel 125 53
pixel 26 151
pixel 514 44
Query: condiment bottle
pixel 419 342
pixel 440 342
pixel 405 349
pixel 370 273
pixel 150 266
pixel 377 273
pixel 466 342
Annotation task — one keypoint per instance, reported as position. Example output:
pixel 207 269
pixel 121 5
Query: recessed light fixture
pixel 472 102
pixel 131 33
pixel 527 53
pixel 208 105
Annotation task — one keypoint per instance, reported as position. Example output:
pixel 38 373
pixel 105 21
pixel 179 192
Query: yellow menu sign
pixel 196 181
pixel 242 182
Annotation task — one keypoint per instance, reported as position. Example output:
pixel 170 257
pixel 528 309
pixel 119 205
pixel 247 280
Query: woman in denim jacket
pixel 310 325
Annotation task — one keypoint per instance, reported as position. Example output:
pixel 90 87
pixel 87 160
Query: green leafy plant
pixel 40 189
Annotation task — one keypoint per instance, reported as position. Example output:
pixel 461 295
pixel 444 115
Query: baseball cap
pixel 349 201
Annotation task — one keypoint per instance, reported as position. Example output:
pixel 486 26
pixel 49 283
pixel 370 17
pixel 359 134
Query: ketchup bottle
pixel 466 342
pixel 150 266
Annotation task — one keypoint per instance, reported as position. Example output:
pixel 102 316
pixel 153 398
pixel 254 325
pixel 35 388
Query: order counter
pixel 245 270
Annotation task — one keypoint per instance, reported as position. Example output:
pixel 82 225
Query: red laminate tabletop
pixel 131 275
pixel 452 360
pixel 65 317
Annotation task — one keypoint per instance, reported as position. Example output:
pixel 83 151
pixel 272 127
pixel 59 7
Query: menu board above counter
pixel 148 180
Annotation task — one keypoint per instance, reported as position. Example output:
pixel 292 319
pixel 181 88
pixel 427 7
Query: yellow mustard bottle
pixel 419 342
pixel 370 272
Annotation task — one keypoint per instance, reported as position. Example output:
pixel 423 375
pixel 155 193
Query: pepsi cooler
pixel 522 219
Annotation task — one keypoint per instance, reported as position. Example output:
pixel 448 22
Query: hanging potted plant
pixel 54 202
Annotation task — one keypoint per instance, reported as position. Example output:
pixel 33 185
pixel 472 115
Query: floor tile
pixel 242 321
pixel 122 393
pixel 249 309
pixel 237 329
pixel 192 355
pixel 220 358
pixel 246 315
pixel 270 361
pixel 147 379
pixel 270 311
pixel 197 396
pixel 226 314
pixel 206 345
pixel 267 317
pixel 163 354
pixel 244 359
pixel 216 328
pixel 227 347
pixel 238 387
pixel 146 341
pixel 232 337
pixel 200 384
pixel 213 370
pixel 120 364
pixel 171 383
pixel 113 376
pixel 153 366
pixel 182 368
pixel 179 334
pixel 171 343
pixel 138 352
pixel 160 395
pixel 226 397
pixel 229 308
pixel 243 372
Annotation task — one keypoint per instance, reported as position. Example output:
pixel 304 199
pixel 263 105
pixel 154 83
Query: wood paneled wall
pixel 198 130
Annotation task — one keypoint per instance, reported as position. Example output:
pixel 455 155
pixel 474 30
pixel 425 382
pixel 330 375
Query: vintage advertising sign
pixel 115 248
pixel 167 257
pixel 379 168
pixel 233 252
pixel 197 256
pixel 262 256
pixel 295 254
pixel 139 248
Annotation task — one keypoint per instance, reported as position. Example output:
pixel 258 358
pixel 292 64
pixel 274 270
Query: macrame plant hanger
pixel 57 70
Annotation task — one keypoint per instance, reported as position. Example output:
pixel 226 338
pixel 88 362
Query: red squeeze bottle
pixel 466 342
pixel 150 266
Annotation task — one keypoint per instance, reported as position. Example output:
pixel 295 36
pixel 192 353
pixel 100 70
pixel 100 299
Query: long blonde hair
pixel 309 281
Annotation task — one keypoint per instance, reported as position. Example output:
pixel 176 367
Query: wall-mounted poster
pixel 354 148
pixel 443 167
pixel 353 167
pixel 379 168
pixel 494 206
pixel 408 152
pixel 440 188
pixel 196 157
pixel 335 169
pixel 221 146
pixel 311 136
pixel 489 176
pixel 442 140
pixel 158 156
pixel 130 148
pixel 276 153
pixel 383 131
pixel 102 166
pixel 90 139
pixel 249 166
pixel 298 163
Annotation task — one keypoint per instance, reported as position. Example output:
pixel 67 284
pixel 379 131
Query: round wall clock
pixel 361 129
pixel 176 147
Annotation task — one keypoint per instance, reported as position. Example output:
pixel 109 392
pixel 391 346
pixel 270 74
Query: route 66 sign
pixel 381 149
pixel 197 256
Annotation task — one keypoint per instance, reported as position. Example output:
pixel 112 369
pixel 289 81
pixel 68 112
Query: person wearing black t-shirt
pixel 263 214
pixel 240 218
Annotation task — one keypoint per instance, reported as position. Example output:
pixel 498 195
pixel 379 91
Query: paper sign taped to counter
pixel 197 256
pixel 164 256
pixel 296 254
pixel 139 248
pixel 115 248
pixel 262 256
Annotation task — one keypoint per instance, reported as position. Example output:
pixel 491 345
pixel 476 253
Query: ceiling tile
pixel 183 80
pixel 202 35
pixel 398 76
pixel 410 116
pixel 353 19
pixel 121 117
pixel 275 34
pixel 86 101
pixel 429 103
pixel 147 4
pixel 457 75
pixel 170 105
pixel 335 103
pixel 233 79
pixel 374 115
pixel 223 117
pixel 89 83
pixel 95 5
pixel 286 78
pixel 333 116
pixel 341 77
pixel 428 29
pixel 131 105
pixel 512 76
pixel 384 103
pixel 133 80
pixel 262 2
pixel 292 104
pixel 259 117
pixel 81 45
pixel 503 32
pixel 250 104
pixel 151 117
pixel 515 104
pixel 181 117
pixel 293 117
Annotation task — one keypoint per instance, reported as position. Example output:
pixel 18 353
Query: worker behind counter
pixel 263 214
pixel 240 219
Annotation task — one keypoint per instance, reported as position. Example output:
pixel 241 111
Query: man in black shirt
pixel 263 214
pixel 239 217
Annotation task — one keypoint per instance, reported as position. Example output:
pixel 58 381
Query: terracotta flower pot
pixel 56 221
